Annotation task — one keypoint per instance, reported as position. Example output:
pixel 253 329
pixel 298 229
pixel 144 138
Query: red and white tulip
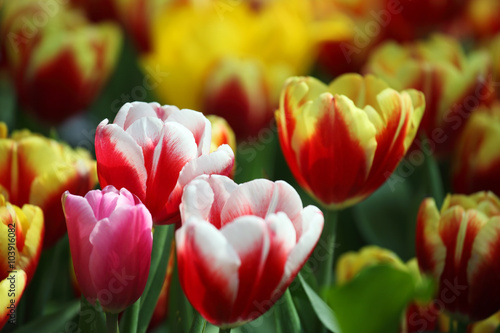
pixel 154 151
pixel 240 246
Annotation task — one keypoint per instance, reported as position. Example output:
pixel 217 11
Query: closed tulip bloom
pixel 240 246
pixel 222 133
pixel 459 247
pixel 154 151
pixel 477 159
pixel 21 236
pixel 37 170
pixel 453 83
pixel 57 59
pixel 110 240
pixel 342 141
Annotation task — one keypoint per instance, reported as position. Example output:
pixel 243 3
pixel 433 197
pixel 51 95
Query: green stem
pixel 434 180
pixel 461 327
pixel 224 330
pixel 325 248
pixel 198 325
pixel 130 318
pixel 112 323
pixel 287 318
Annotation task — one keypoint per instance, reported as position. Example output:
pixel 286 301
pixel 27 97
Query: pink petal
pixel 208 269
pixel 80 222
pixel 121 256
pixel 163 112
pixel 205 196
pixel 120 161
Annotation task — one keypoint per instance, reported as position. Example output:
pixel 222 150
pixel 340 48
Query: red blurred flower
pixel 459 247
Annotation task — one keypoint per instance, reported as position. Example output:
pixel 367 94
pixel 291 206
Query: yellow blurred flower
pixel 21 233
pixel 37 170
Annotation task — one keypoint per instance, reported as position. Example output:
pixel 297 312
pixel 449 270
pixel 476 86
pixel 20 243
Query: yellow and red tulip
pixel 20 246
pixel 342 141
pixel 481 15
pixel 58 65
pixel 453 83
pixel 477 159
pixel 37 170
pixel 459 247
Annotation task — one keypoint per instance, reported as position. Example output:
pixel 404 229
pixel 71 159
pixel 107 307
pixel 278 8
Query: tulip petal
pixel 483 271
pixel 273 198
pixel 7 174
pixel 80 221
pixel 20 281
pixel 208 269
pixel 198 125
pixel 205 196
pixel 121 255
pixel 130 112
pixel 120 161
pixel 219 162
pixel 312 224
pixel 248 235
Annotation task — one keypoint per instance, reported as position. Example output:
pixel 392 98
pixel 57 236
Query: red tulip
pixel 459 247
pixel 240 246
pixel 154 151
pixel 110 240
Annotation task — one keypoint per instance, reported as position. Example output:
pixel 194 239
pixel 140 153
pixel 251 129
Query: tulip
pixel 240 246
pixel 481 16
pixel 453 83
pixel 21 231
pixel 154 151
pixel 37 170
pixel 477 158
pixel 222 133
pixel 344 140
pixel 239 91
pixel 110 240
pixel 458 247
pixel 57 59
pixel 247 54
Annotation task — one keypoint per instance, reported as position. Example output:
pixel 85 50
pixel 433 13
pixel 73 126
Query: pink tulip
pixel 154 151
pixel 110 239
pixel 240 246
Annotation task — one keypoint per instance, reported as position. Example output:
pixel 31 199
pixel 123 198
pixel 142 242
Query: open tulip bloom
pixel 240 246
pixel 110 240
pixel 154 151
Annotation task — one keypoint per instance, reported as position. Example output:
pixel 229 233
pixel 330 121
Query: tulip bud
pixel 37 170
pixel 477 158
pixel 154 151
pixel 344 140
pixel 58 61
pixel 453 83
pixel 240 246
pixel 21 235
pixel 458 247
pixel 110 240
pixel 222 134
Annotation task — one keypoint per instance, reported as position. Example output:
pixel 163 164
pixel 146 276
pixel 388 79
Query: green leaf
pixel 60 320
pixel 162 240
pixel 198 325
pixel 180 311
pixel 373 301
pixel 91 320
pixel 287 318
pixel 322 310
